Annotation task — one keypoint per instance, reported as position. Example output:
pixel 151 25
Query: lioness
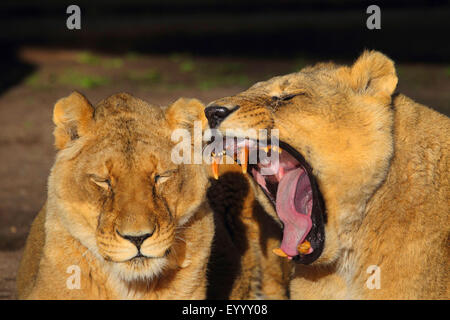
pixel 362 182
pixel 122 221
pixel 119 212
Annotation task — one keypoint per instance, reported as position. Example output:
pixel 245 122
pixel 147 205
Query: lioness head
pixel 335 130
pixel 114 186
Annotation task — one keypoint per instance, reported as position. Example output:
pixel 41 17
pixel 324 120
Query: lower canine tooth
pixel 304 247
pixel 244 159
pixel 215 168
pixel 279 252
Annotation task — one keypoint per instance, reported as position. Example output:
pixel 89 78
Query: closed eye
pixel 163 177
pixel 104 183
pixel 288 97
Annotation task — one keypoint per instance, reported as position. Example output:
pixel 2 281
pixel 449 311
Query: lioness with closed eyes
pixel 119 211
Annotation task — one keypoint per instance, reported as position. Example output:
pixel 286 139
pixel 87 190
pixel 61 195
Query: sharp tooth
pixel 243 158
pixel 215 168
pixel 277 149
pixel 280 253
pixel 304 247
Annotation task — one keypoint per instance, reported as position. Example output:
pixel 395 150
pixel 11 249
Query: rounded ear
pixel 184 112
pixel 374 74
pixel 71 116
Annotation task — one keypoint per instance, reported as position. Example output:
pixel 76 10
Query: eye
pixel 288 97
pixel 163 177
pixel 104 183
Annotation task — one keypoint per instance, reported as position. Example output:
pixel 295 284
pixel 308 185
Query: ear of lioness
pixel 72 116
pixel 374 74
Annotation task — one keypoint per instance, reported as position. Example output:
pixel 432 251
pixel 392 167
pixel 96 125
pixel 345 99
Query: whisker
pixel 180 239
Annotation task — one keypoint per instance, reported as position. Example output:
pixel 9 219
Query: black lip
pixel 140 255
pixel 316 235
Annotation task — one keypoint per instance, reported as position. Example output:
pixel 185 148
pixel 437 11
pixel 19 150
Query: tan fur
pixel 127 141
pixel 382 163
pixel 29 266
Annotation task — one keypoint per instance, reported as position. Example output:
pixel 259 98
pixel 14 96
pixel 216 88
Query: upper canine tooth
pixel 277 149
pixel 215 168
pixel 243 158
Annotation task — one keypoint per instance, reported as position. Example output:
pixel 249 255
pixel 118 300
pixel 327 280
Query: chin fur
pixel 138 270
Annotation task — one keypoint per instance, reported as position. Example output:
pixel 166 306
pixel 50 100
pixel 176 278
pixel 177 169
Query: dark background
pixel 161 50
pixel 412 30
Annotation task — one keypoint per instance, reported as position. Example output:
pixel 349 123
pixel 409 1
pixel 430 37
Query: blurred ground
pixel 26 142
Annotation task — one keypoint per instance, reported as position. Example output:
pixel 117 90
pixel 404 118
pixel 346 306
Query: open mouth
pixel 287 180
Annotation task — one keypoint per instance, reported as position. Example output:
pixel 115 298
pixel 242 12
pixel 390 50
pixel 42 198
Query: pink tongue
pixel 296 224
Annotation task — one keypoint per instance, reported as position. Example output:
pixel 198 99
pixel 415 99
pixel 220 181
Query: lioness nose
pixel 137 240
pixel 216 114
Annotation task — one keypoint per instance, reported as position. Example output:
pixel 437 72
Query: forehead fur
pixel 129 122
pixel 122 104
pixel 321 78
pixel 122 109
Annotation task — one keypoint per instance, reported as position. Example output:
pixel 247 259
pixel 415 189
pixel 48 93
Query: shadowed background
pixel 161 50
